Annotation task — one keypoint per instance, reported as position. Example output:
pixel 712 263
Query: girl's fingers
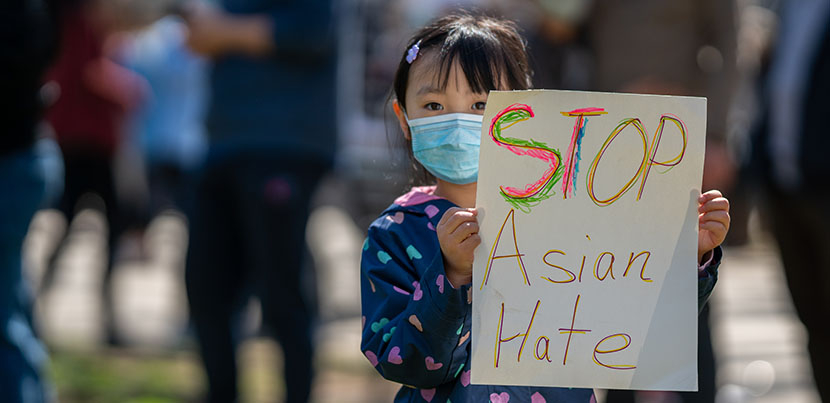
pixel 720 216
pixel 720 203
pixel 464 230
pixel 709 195
pixel 469 244
pixel 456 216
pixel 715 227
pixel 448 215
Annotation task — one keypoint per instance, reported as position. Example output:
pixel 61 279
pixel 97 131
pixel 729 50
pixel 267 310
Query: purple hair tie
pixel 412 53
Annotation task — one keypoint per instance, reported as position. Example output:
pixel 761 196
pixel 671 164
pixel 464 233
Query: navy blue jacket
pixel 416 328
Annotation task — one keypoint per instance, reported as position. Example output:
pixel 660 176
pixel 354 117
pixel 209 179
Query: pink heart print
pixel 432 365
pixel 440 283
pixel 428 394
pixel 431 211
pixel 373 359
pixel 397 218
pixel 537 398
pixel 418 293
pixel 502 397
pixel 465 378
pixel 395 355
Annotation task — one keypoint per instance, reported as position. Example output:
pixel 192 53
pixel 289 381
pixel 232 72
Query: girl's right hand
pixel 458 236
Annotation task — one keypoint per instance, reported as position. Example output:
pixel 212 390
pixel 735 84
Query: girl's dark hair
pixel 490 51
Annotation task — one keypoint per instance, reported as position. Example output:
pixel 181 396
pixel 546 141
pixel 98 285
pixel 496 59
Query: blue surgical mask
pixel 447 145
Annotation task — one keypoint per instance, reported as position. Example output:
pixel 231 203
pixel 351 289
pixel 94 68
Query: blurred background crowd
pixel 185 185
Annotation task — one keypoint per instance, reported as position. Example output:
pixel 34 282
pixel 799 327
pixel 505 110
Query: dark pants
pixel 91 172
pixel 247 236
pixel 801 223
pixel 169 188
pixel 25 179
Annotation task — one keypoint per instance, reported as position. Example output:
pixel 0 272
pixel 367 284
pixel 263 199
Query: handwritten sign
pixel 586 274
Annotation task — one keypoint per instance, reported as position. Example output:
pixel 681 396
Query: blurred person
pixel 416 308
pixel 555 40
pixel 271 134
pixel 682 47
pixel 30 174
pixel 94 95
pixel 169 125
pixel 788 155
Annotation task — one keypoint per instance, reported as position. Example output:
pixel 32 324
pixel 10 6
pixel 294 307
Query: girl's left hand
pixel 713 221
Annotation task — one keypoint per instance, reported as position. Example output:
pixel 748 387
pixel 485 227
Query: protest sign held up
pixel 588 211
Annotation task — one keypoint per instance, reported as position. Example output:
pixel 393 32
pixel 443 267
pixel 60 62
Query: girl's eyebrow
pixel 426 89
pixel 429 90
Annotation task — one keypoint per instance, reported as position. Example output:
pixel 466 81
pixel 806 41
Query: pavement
pixel 759 344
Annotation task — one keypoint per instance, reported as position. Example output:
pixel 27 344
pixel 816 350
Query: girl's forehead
pixel 428 69
pixel 428 72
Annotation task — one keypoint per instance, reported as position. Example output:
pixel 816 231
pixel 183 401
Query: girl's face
pixel 425 98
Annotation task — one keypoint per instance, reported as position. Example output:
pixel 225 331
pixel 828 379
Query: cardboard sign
pixel 587 271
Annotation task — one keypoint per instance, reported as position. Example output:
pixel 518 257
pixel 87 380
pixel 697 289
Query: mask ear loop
pixel 397 107
pixel 407 132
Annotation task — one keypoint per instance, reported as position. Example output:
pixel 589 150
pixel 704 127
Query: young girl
pixel 417 261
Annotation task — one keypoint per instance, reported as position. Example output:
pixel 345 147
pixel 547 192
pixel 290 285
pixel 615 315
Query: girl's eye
pixel 434 106
pixel 479 106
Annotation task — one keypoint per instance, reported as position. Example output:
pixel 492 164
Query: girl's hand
pixel 713 221
pixel 458 236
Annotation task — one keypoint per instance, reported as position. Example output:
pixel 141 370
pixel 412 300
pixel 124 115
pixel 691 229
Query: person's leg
pixel 167 186
pixel 22 357
pixel 819 324
pixel 102 182
pixel 802 228
pixel 275 218
pixel 213 278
